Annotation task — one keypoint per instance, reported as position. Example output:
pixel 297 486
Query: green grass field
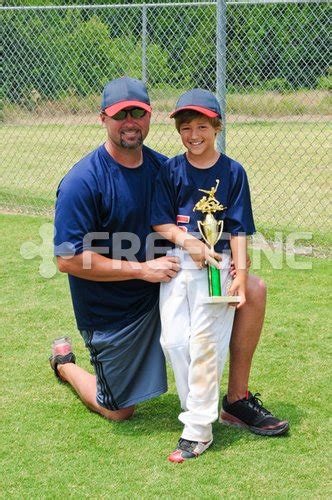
pixel 287 164
pixel 52 447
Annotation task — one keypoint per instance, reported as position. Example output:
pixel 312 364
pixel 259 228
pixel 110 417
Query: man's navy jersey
pixel 100 195
pixel 177 192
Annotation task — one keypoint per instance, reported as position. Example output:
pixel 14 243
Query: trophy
pixel 211 231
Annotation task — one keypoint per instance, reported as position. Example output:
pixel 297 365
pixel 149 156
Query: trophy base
pixel 223 299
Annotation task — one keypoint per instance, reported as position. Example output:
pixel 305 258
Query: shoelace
pixel 257 404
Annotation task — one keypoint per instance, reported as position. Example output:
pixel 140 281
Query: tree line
pixel 58 52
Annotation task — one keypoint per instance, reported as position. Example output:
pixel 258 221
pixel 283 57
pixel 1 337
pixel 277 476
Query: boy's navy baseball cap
pixel 123 92
pixel 199 100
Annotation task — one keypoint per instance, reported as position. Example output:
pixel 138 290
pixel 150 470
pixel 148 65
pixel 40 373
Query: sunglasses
pixel 134 113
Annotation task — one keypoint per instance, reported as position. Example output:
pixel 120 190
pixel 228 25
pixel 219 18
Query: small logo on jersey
pixel 184 219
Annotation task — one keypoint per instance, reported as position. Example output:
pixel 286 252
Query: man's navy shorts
pixel 128 361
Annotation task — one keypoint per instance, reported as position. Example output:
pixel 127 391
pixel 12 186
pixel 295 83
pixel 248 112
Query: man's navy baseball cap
pixel 123 92
pixel 199 100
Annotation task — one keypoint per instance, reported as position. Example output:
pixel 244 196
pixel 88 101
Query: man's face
pixel 128 133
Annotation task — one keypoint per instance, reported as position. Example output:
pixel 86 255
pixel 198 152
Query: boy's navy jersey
pixel 177 192
pixel 98 195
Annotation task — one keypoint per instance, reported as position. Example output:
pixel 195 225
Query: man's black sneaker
pixel 188 449
pixel 61 354
pixel 250 414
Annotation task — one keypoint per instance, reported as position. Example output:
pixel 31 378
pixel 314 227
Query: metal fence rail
pixel 268 62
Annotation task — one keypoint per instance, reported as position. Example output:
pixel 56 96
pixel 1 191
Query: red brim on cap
pixel 112 110
pixel 204 111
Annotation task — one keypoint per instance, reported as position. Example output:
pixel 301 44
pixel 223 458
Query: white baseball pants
pixel 195 339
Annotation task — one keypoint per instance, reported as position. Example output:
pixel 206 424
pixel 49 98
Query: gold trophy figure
pixel 211 231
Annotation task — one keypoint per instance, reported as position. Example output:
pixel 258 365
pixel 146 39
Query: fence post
pixel 144 42
pixel 221 70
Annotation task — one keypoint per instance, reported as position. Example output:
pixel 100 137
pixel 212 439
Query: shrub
pixel 324 82
pixel 280 85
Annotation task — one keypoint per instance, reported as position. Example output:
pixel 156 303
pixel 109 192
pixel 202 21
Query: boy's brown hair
pixel 187 115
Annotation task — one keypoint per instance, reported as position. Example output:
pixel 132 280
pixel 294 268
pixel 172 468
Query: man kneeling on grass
pixel 106 194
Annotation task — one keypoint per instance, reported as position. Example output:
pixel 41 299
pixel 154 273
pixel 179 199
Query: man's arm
pixel 94 267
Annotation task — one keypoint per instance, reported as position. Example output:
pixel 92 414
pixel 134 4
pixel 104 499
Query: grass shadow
pixel 159 415
pixel 153 417
pixel 226 436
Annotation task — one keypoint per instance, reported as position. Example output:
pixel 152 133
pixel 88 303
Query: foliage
pixel 275 46
pixel 278 85
pixel 325 82
pixel 280 41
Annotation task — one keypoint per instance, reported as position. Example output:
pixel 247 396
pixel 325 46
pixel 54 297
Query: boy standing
pixel 195 336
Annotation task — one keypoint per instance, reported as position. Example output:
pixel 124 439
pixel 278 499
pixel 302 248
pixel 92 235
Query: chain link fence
pixel 277 107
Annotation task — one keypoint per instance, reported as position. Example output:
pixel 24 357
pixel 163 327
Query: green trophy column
pixel 214 281
pixel 211 231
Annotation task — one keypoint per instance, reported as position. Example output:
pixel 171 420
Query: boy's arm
pixel 239 218
pixel 199 252
pixel 239 254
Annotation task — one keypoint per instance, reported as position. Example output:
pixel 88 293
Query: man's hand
pixel 233 270
pixel 201 254
pixel 160 270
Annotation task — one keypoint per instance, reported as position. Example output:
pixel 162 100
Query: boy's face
pixel 198 136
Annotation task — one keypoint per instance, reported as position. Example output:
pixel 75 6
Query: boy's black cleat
pixel 186 450
pixel 250 414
